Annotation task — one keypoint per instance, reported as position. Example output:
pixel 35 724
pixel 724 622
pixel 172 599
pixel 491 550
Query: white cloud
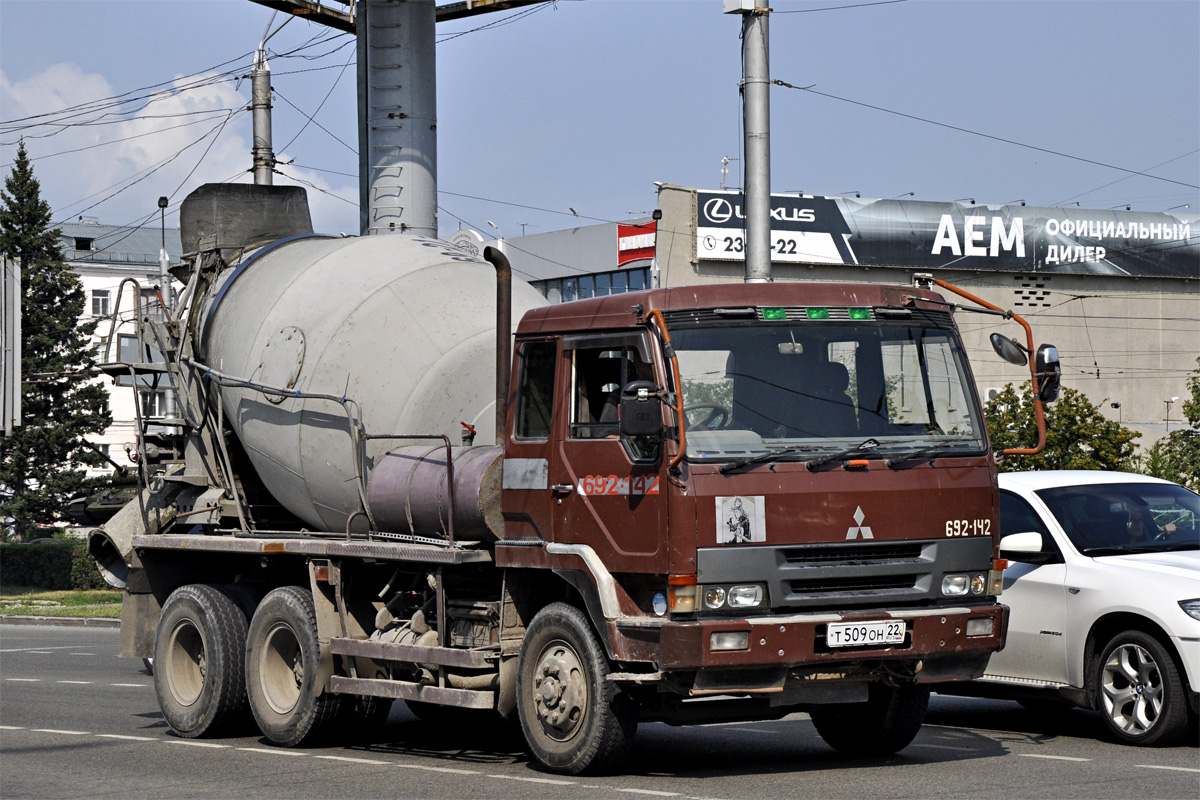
pixel 156 143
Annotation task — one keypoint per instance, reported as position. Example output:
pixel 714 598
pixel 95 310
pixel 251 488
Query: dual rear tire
pixel 221 656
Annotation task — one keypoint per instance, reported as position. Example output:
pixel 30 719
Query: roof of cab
pixel 618 310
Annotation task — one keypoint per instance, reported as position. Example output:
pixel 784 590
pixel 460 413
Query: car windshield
pixel 1116 518
pixel 810 390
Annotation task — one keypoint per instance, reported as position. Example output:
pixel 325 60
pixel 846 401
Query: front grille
pixel 856 586
pixel 850 555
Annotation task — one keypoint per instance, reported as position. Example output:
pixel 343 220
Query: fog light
pixel 745 596
pixel 981 626
pixel 977 584
pixel 954 585
pixel 714 597
pixel 729 640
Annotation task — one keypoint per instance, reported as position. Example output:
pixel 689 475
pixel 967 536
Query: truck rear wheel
pixel 282 668
pixel 885 724
pixel 573 718
pixel 199 651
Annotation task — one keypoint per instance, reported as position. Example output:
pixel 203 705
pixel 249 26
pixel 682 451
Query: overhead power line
pixel 1059 153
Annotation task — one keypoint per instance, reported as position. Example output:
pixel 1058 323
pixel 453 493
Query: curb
pixel 90 622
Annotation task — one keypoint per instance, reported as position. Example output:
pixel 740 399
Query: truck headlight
pixel 955 585
pixel 737 596
pixel 963 585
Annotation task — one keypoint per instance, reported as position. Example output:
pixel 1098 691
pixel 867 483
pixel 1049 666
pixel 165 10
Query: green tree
pixel 1176 456
pixel 41 463
pixel 1078 436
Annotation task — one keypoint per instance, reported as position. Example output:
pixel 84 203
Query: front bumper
pixel 936 645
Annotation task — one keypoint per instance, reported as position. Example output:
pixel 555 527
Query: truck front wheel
pixel 199 649
pixel 282 669
pixel 886 723
pixel 573 718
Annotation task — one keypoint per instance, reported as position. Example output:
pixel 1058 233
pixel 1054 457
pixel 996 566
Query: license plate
pixel 859 634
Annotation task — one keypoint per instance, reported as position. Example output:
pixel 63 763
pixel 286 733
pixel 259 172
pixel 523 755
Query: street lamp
pixel 1169 403
pixel 1117 406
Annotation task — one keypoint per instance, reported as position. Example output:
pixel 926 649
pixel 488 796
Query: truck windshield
pixel 815 389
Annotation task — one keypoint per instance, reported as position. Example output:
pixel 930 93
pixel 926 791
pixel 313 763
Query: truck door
pixel 609 493
pixel 529 441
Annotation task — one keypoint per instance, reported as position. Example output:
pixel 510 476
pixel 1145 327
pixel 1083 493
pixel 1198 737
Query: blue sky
pixel 587 103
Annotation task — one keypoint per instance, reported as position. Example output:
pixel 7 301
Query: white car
pixel 1104 590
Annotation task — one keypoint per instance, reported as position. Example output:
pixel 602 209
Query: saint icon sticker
pixel 741 520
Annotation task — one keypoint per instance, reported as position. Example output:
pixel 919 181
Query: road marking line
pixel 81 654
pixel 647 791
pixel 39 650
pixel 533 780
pixel 126 737
pixel 66 733
pixel 24 680
pixel 1177 769
pixel 190 743
pixel 10 728
pixel 440 769
pixel 943 747
pixel 275 751
pixel 1054 758
pixel 750 730
pixel 77 683
pixel 135 685
pixel 353 760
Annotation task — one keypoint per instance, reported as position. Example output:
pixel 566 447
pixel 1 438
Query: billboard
pixel 934 235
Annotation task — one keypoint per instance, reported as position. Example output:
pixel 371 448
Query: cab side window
pixel 535 390
pixel 599 373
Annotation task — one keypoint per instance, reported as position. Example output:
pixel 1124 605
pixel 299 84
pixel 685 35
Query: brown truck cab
pixel 818 527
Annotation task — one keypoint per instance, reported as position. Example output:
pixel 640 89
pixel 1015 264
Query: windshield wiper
pixel 763 457
pixel 775 455
pixel 923 454
pixel 1125 550
pixel 850 452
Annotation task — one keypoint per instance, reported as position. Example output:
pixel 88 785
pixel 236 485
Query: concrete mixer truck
pixel 689 505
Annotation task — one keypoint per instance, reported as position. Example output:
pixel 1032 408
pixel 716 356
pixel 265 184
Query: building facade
pixel 119 268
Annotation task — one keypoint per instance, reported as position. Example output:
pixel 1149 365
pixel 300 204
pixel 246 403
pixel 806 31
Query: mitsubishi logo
pixel 865 530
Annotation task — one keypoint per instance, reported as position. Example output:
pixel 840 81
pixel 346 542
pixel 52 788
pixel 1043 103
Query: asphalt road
pixel 76 722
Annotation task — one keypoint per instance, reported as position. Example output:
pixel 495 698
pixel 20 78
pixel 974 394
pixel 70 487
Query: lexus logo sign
pixel 718 210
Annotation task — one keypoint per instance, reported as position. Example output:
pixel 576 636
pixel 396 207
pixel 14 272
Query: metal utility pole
pixel 397 117
pixel 260 106
pixel 756 116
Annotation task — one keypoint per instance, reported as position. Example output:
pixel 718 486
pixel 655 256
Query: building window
pixel 598 285
pixel 83 243
pixel 154 404
pixel 100 302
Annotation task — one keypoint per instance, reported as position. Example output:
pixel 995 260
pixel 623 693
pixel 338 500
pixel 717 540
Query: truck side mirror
pixel 1009 349
pixel 1049 372
pixel 641 409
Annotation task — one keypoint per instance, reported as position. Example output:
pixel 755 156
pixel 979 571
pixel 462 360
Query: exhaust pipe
pixel 503 335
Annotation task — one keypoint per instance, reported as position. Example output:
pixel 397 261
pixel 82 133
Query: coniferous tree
pixel 41 463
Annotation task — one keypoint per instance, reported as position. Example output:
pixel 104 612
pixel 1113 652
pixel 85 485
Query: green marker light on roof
pixel 817 313
pixel 774 313
pixel 859 313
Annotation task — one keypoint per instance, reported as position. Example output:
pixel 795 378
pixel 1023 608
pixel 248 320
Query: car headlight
pixel 1191 607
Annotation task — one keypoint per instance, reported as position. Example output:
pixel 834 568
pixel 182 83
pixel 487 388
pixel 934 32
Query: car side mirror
pixel 641 409
pixel 1025 547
